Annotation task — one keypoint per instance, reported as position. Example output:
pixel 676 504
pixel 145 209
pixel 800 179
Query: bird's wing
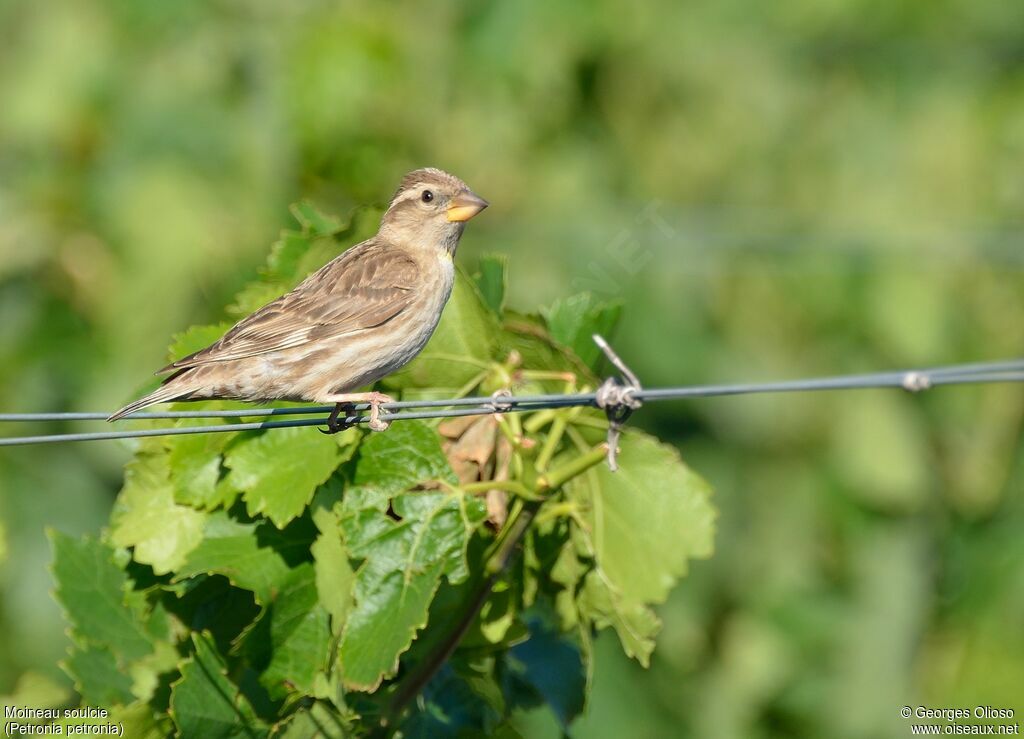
pixel 365 287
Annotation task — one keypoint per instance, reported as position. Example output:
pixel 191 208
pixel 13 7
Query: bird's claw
pixel 334 423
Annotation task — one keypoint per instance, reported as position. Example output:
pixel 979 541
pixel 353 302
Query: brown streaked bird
pixel 360 317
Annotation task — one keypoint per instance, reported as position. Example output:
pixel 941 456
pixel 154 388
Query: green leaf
pixel 408 454
pixel 146 517
pixel 254 296
pixel 284 265
pixel 461 347
pixel 641 524
pixel 529 337
pixel 92 589
pixel 213 604
pixel 195 462
pixel 335 578
pixel 466 703
pixel 635 624
pixel 37 690
pixel 252 556
pixel 298 635
pixel 404 561
pixel 296 255
pixel 137 720
pixel 146 672
pixel 140 721
pixel 195 338
pixel 492 280
pixel 552 666
pixel 567 571
pixel 205 703
pixel 319 720
pixel 498 614
pixel 574 320
pixel 292 258
pixel 313 219
pixel 279 471
pixel 98 677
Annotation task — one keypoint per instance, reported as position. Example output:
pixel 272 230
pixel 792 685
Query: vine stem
pixel 498 560
pixel 483 486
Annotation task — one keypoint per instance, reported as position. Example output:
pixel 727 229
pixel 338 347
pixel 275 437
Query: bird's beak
pixel 465 205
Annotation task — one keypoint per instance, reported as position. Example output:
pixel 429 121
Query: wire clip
pixel 497 404
pixel 616 398
pixel 915 382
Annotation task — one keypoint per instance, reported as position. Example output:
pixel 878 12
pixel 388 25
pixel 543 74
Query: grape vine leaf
pixel 529 338
pixel 146 517
pixel 36 689
pixel 551 666
pixel 335 578
pixel 641 525
pixel 635 623
pixel 253 556
pixel 574 320
pixel 298 635
pixel 408 454
pixel 195 461
pixel 91 588
pixel 319 720
pixel 140 721
pixel 98 677
pixel 195 338
pixel 404 561
pixel 279 471
pixel 313 219
pixel 136 720
pixel 492 280
pixel 457 704
pixel 205 703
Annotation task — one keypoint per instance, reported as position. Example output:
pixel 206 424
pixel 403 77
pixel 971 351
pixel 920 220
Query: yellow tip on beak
pixel 464 206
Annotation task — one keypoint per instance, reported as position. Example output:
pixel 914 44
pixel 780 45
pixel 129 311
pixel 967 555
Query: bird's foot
pixel 337 420
pixel 377 423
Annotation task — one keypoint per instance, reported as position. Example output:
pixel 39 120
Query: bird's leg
pixel 375 400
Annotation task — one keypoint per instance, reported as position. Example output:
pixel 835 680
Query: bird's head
pixel 430 208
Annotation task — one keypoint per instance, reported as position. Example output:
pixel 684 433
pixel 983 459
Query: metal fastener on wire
pixel 617 398
pixel 915 382
pixel 497 404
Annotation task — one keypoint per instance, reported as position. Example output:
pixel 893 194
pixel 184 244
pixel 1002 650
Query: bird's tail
pixel 162 394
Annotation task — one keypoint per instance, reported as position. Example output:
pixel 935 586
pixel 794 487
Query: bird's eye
pixel 427 196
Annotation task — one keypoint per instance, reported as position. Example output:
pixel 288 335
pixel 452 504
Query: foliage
pixel 285 582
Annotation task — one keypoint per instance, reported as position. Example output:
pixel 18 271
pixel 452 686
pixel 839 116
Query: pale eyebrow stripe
pixel 406 196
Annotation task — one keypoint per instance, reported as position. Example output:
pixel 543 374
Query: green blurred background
pixel 775 190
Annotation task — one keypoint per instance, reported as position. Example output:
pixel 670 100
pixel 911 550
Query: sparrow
pixel 360 317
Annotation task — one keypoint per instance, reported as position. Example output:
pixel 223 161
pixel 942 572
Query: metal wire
pixel 911 380
pixel 297 411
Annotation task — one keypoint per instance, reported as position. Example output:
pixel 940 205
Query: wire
pixel 911 380
pixel 297 411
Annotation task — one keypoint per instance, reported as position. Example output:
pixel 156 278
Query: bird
pixel 363 315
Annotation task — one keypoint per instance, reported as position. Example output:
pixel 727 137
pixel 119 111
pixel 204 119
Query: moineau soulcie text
pixel 53 714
